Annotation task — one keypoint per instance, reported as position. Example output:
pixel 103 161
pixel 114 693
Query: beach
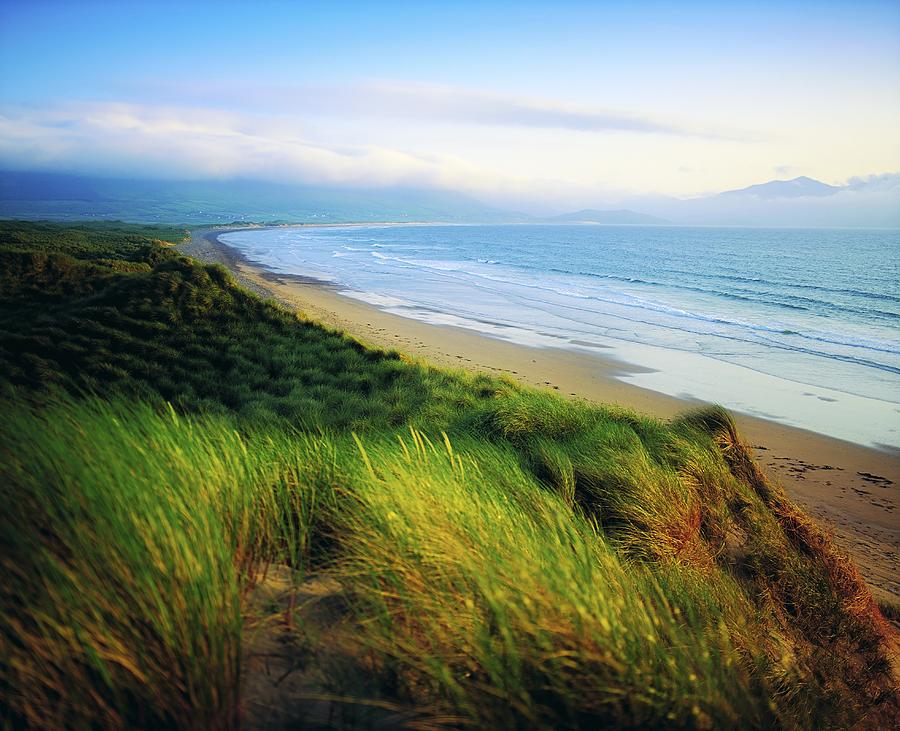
pixel 848 488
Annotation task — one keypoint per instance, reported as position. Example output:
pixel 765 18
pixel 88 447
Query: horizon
pixel 570 107
pixel 798 203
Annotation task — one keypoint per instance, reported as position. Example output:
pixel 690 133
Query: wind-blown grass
pixel 185 332
pixel 121 599
pixel 490 592
pixel 135 536
pixel 507 558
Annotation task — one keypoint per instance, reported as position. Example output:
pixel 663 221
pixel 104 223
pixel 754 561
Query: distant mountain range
pixel 618 217
pixel 66 197
pixel 796 188
pixel 802 201
pixel 862 202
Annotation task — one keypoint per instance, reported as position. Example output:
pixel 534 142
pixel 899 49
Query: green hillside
pixel 499 557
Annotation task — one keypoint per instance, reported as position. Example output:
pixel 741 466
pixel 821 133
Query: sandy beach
pixel 850 489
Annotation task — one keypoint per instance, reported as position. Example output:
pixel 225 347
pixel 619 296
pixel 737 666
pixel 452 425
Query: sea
pixel 800 326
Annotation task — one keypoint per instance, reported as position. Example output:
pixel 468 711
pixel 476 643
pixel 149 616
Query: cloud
pixel 173 142
pixel 439 104
pixel 443 104
pixel 875 183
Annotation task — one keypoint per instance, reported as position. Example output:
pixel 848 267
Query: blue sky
pixel 503 99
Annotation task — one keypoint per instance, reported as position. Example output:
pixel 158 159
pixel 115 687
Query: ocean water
pixel 797 325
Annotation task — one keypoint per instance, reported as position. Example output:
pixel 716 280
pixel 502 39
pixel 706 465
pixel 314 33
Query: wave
pixel 775 299
pixel 793 285
pixel 620 299
pixel 734 337
pixel 724 314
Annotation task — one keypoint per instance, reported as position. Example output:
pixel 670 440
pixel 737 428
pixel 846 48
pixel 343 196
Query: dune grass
pixel 135 537
pixel 106 241
pixel 507 558
pixel 491 594
pixel 185 332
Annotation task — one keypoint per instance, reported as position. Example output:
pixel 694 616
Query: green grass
pixel 486 587
pixel 507 558
pixel 107 241
pixel 186 333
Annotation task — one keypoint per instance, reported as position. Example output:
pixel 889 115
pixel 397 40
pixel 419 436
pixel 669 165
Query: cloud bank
pixel 188 142
pixel 173 142
pixel 435 103
pixel 305 134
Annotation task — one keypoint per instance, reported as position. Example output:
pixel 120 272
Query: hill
pixel 863 202
pixel 218 512
pixel 61 197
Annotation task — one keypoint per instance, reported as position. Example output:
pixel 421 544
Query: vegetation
pixel 185 332
pixel 503 557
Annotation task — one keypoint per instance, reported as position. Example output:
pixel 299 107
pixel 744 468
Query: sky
pixel 508 101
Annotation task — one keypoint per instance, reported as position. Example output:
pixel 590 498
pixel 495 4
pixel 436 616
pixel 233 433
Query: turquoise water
pixel 718 314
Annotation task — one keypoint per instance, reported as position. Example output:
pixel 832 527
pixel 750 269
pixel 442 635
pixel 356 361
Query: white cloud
pixel 512 165
pixel 116 138
pixel 440 104
pixel 875 183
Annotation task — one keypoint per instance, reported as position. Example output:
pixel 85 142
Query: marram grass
pixel 133 538
pixel 506 558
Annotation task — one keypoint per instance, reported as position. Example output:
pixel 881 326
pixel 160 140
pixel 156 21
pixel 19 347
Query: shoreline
pixel 756 346
pixel 849 488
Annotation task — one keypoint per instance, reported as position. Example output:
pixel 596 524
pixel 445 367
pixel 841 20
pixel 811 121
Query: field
pixel 496 556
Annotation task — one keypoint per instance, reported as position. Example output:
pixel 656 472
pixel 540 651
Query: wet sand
pixel 849 489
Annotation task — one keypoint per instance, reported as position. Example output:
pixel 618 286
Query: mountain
pixel 621 216
pixel 868 202
pixel 797 188
pixel 67 197
pixel 872 201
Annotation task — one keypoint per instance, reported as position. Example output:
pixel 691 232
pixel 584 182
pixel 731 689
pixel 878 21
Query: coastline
pixel 850 489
